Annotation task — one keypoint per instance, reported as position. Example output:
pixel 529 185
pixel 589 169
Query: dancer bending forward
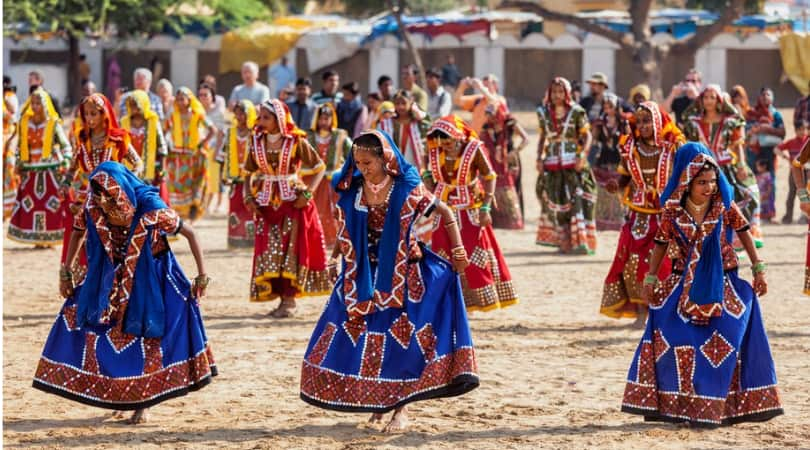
pixel 131 334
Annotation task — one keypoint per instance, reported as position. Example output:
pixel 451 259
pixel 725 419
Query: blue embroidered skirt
pixel 101 366
pixel 394 356
pixel 712 375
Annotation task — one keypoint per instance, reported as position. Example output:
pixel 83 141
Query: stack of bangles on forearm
pixel 650 279
pixel 758 267
pixel 65 275
pixel 804 197
pixel 306 193
pixel 459 253
pixel 202 281
pixel 486 208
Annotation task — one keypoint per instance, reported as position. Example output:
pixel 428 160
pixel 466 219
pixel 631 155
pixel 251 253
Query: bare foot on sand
pixel 138 417
pixel 286 309
pixel 399 422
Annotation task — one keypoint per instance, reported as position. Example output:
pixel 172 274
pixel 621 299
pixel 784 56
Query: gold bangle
pixel 65 274
pixel 202 281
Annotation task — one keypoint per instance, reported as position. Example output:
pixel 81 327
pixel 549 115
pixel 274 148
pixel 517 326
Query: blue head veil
pixel 145 315
pixel 708 283
pixel 347 183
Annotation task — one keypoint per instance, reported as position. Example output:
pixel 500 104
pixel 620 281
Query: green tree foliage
pixel 74 19
pixel 133 17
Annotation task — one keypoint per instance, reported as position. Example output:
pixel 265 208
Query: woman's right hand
pixel 251 205
pixel 647 292
pixel 760 285
pixel 333 273
pixel 459 265
pixel 539 166
pixel 66 288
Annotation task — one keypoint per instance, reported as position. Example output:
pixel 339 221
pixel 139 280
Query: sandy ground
pixel 552 369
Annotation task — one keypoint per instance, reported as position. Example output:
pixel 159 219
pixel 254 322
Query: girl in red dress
pixel 333 145
pixel 289 258
pixel 43 151
pixel 146 135
pixel 497 134
pixel 647 150
pixel 232 156
pixel 462 176
pixel 98 140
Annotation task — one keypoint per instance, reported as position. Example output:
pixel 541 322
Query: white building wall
pixel 599 55
pixel 382 61
pixel 184 67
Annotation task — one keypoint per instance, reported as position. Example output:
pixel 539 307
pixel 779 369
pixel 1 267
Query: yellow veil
pixel 141 98
pixel 52 121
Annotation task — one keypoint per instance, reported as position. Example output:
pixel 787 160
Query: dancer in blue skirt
pixel 395 329
pixel 130 335
pixel 704 358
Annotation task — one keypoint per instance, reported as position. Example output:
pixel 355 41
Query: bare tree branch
pixel 640 19
pixel 731 13
pixel 625 40
pixel 397 7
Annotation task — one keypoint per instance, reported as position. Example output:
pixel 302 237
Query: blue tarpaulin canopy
pixel 683 22
pixel 456 22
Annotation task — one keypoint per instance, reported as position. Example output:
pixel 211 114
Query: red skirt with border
pixel 289 246
pixel 486 283
pixel 241 224
pixel 38 216
pixel 622 290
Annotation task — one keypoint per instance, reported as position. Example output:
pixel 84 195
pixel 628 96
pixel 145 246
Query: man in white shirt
pixel 251 89
pixel 439 102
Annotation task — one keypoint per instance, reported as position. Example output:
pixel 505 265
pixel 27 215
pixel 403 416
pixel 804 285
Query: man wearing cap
pixel 598 83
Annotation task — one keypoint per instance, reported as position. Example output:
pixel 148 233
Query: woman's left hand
pixel 460 264
pixel 199 287
pixel 760 285
pixel 332 269
pixel 484 218
pixel 301 201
